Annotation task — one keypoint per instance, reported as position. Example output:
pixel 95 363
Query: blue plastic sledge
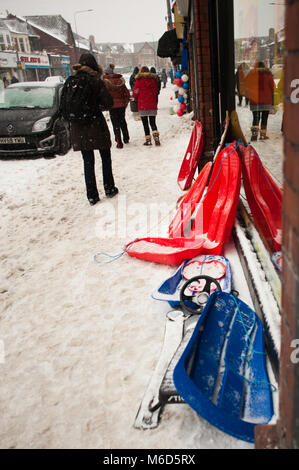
pixel 169 290
pixel 222 372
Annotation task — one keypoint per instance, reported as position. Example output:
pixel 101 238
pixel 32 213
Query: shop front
pixel 66 66
pixel 8 64
pixel 36 66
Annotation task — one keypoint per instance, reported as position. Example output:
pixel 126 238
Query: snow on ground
pixel 81 339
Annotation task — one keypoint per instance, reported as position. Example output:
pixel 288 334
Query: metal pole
pixel 76 13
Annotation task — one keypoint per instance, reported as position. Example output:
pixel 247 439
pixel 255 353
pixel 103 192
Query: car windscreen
pixel 27 97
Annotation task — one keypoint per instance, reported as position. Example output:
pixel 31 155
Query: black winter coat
pixel 95 135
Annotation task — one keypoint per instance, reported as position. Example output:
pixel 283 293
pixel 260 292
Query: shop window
pixel 259 48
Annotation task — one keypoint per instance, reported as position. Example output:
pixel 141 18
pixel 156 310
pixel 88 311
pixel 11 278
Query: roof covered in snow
pixel 139 45
pixel 3 25
pixel 115 47
pixel 123 47
pixel 54 25
pixel 81 42
pixel 17 27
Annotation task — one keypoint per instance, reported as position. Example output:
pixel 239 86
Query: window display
pixel 259 46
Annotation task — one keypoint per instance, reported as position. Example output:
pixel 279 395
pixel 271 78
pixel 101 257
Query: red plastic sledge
pixel 213 221
pixel 264 197
pixel 191 158
pixel 188 204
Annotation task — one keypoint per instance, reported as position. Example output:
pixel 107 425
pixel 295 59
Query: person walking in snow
pixel 153 70
pixel 145 92
pixel 14 79
pixel 110 70
pixel 260 88
pixel 240 78
pixel 116 86
pixel 133 77
pixel 94 135
pixel 164 78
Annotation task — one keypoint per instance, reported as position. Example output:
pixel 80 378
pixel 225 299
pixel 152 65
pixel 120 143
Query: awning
pixel 168 44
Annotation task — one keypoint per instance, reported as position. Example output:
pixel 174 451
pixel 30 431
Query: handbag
pixel 133 105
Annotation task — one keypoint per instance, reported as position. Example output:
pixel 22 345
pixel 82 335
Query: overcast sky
pixel 111 20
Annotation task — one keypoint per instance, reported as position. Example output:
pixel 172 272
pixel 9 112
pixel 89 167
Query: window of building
pixel 2 39
pixel 21 44
pixel 259 46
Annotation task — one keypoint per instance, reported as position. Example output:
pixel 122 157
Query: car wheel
pixel 62 131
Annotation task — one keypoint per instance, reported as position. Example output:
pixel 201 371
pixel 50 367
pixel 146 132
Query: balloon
pixel 171 98
pixel 178 74
pixel 181 90
pixel 186 85
pixel 180 112
pixel 183 106
pixel 175 88
pixel 185 78
pixel 181 99
pixel 178 81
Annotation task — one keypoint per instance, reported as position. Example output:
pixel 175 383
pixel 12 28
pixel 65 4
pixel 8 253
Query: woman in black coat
pixel 95 135
pixel 133 77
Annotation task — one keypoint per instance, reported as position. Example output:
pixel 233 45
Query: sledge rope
pixel 120 254
pixel 112 257
pixel 262 168
pixel 251 349
pixel 224 158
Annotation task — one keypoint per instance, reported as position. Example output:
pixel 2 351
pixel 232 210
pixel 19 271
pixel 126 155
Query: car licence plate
pixel 12 140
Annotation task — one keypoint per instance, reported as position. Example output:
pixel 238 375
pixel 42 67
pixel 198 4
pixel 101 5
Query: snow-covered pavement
pixel 80 340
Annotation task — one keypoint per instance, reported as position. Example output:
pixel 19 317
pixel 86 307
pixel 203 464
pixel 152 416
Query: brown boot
pixel 148 140
pixel 156 137
pixel 254 133
pixel 263 134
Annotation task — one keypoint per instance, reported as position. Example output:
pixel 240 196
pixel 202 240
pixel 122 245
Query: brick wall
pixel 204 65
pixel 286 433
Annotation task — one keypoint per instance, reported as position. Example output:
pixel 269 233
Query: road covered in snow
pixel 81 339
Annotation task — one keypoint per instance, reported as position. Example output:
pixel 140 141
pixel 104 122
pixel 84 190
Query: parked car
pixel 55 78
pixel 29 120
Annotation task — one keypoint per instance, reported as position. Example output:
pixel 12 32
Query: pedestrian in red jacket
pixel 260 91
pixel 145 92
pixel 116 86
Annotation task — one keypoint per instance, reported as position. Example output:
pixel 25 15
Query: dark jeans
pixel 260 116
pixel 149 121
pixel 89 173
pixel 120 128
